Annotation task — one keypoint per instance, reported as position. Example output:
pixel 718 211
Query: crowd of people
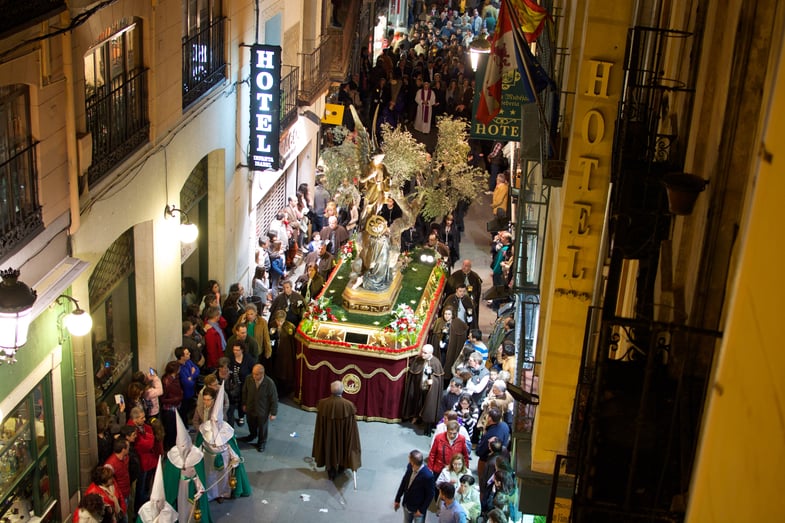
pixel 237 355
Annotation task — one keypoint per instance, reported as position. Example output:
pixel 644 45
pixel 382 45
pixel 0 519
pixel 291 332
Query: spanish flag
pixel 509 55
pixel 530 17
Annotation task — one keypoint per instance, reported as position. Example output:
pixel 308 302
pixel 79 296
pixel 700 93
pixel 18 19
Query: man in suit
pixel 416 490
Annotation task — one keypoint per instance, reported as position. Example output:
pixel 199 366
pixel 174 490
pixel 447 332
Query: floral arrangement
pixel 404 259
pixel 405 324
pixel 318 310
pixel 349 250
pixel 441 268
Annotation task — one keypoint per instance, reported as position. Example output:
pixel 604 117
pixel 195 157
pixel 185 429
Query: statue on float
pixel 419 183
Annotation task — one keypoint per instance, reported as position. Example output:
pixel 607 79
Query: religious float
pixel 375 311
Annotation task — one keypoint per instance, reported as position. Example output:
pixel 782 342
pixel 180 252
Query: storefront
pixel 39 471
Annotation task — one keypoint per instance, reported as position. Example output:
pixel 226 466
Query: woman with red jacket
pixel 145 448
pixel 106 486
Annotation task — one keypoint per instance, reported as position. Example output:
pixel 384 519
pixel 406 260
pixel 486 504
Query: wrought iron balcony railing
pixel 316 70
pixel 204 61
pixel 118 122
pixel 20 213
pixel 290 81
pixel 638 410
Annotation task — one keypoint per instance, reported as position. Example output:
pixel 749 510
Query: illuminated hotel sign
pixel 263 153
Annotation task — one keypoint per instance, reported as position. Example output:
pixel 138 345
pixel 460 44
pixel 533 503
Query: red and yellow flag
pixel 530 16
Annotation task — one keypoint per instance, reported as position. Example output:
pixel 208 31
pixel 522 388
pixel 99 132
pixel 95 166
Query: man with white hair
pixel 335 234
pixel 336 439
pixel 424 385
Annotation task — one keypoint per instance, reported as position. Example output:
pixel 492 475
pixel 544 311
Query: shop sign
pixel 505 126
pixel 264 153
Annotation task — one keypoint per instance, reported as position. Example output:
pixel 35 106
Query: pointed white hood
pixel 183 454
pixel 157 510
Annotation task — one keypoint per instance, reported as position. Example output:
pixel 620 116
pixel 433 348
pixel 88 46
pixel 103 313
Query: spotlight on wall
pixel 78 322
pixel 188 231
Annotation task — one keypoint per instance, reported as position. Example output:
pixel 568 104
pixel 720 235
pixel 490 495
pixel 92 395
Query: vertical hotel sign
pixel 264 153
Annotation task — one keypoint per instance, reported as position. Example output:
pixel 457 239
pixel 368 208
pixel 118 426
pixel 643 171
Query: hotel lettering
pixel 263 152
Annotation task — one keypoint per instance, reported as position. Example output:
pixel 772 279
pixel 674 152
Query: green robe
pixel 171 488
pixel 243 487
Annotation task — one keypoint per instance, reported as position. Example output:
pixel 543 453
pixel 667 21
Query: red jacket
pixel 145 446
pixel 214 349
pixel 121 476
pixel 108 501
pixel 442 452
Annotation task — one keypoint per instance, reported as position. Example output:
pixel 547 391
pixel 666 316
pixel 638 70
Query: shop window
pixel 27 459
pixel 112 306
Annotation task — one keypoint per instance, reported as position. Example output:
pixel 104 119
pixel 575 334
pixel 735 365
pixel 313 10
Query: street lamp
pixel 16 306
pixel 77 322
pixel 188 231
pixel 480 45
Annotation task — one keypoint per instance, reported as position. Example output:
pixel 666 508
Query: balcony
pixel 20 213
pixel 316 71
pixel 638 409
pixel 204 61
pixel 118 122
pixel 290 80
pixel 21 15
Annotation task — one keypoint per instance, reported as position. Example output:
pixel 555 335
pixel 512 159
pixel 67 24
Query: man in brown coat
pixel 336 439
pixel 423 389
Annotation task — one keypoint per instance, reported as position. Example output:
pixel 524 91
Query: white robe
pixel 217 442
pixel 425 100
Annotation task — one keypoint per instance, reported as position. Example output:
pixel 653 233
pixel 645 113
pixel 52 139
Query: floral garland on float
pixel 318 310
pixel 349 250
pixel 405 325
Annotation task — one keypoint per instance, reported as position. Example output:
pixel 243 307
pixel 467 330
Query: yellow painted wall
pixel 740 468
pixel 600 56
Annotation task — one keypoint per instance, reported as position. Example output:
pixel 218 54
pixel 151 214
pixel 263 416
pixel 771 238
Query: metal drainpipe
pixel 70 128
pixel 84 426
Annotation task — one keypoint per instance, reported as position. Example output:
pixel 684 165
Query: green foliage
pixel 341 161
pixel 404 157
pixel 440 181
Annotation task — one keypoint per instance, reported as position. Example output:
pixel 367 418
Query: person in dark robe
pixel 424 385
pixel 472 281
pixel 461 302
pixel 448 334
pixel 336 438
pixel 284 353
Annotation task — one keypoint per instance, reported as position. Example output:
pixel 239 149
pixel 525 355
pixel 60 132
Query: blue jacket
pixel 419 495
pixel 189 373
pixel 500 431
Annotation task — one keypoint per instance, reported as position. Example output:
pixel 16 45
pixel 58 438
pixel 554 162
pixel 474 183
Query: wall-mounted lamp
pixel 188 231
pixel 78 322
pixel 16 305
pixel 479 45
